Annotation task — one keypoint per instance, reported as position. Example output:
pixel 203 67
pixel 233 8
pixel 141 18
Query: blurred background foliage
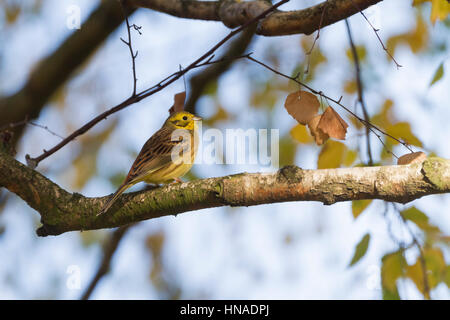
pixel 366 249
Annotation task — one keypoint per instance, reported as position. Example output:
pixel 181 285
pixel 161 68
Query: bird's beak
pixel 196 118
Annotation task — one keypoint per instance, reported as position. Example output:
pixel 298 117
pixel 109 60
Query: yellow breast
pixel 173 170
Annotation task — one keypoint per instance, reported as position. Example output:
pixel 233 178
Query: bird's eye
pixel 184 118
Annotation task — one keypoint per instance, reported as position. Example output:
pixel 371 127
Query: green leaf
pixel 358 206
pixel 435 270
pixel 391 295
pixel 361 249
pixel 420 219
pixel 392 268
pixel 415 215
pixel 438 74
pixel 447 276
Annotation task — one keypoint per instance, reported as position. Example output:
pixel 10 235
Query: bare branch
pixel 130 47
pixel 54 70
pixel 355 4
pixel 426 285
pixel 359 84
pixel 108 253
pixel 308 54
pixel 27 121
pixel 234 13
pixel 62 211
pixel 33 162
pixel 199 81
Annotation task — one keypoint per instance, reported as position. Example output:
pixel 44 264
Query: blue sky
pixel 279 251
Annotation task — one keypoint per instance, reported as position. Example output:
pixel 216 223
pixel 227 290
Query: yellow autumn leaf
pixel 12 12
pixel 287 151
pixel 402 130
pixel 350 86
pixel 440 9
pixel 415 273
pixel 360 51
pixel 300 134
pixel 384 118
pixel 435 269
pixel 435 262
pixel 350 158
pixel 417 38
pixel 331 155
pixel 358 206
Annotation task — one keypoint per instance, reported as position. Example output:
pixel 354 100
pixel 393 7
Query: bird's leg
pixel 178 180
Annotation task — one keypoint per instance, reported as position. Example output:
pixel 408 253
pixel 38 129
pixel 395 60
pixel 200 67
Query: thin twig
pixel 210 74
pixel 33 162
pixel 360 90
pixel 378 36
pixel 373 128
pixel 315 39
pixel 210 52
pixel 426 286
pixel 130 46
pixel 108 253
pixel 26 121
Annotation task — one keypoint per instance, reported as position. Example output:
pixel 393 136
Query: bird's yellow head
pixel 182 120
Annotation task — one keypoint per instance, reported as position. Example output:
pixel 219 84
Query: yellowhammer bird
pixel 164 157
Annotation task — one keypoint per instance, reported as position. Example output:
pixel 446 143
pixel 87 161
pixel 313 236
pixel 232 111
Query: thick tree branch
pixel 234 13
pixel 62 211
pixel 54 70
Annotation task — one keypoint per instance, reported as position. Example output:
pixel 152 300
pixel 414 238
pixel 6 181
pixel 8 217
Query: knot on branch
pixel 234 14
pixel 290 174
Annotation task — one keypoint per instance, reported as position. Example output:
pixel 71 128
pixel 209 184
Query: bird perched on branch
pixel 166 156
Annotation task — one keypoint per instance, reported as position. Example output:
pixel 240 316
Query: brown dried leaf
pixel 415 157
pixel 316 132
pixel 302 106
pixel 178 102
pixel 332 124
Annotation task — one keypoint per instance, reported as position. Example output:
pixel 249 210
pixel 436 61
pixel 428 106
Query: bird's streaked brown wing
pixel 156 153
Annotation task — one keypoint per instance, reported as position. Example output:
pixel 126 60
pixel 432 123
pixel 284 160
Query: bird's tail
pixel 113 198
